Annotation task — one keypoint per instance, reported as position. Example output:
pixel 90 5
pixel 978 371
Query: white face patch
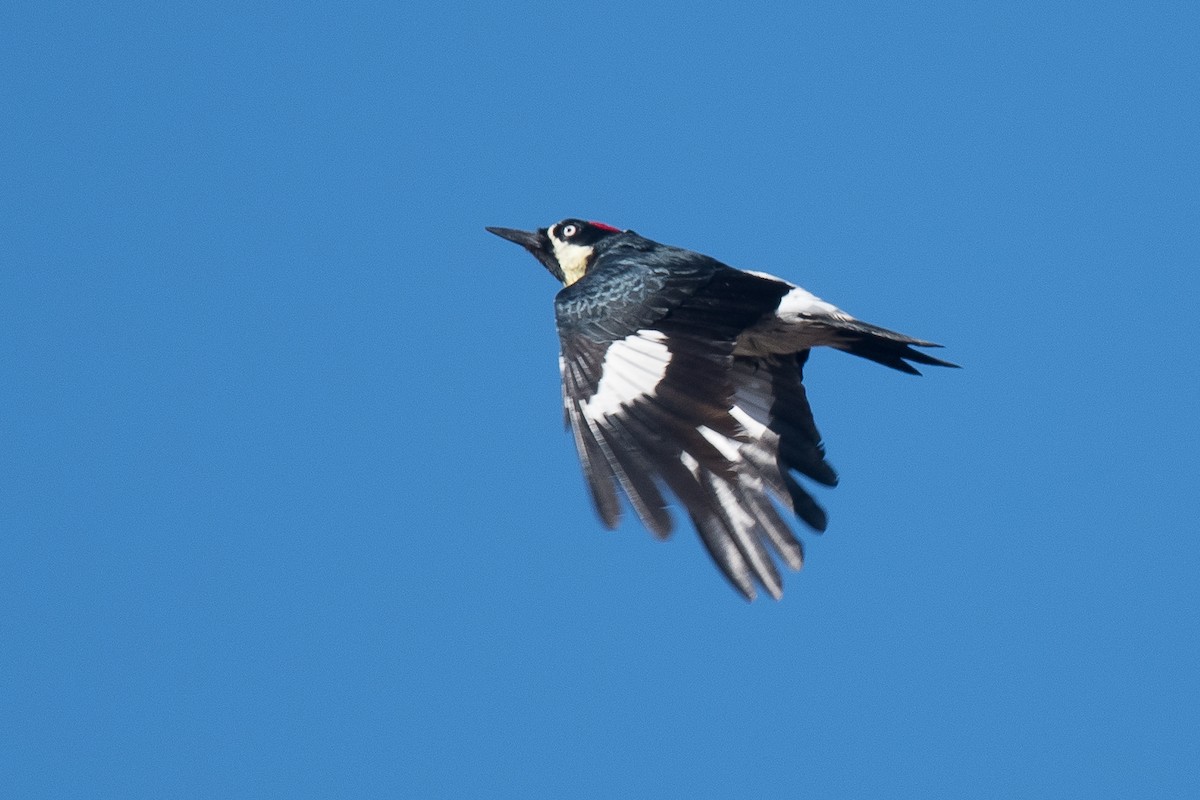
pixel 632 369
pixel 572 258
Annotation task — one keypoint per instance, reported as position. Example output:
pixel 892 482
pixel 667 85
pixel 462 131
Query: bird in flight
pixel 683 376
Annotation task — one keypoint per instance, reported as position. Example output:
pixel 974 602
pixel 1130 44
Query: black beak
pixel 536 242
pixel 530 240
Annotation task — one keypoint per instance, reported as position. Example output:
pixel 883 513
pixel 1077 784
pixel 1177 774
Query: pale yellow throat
pixel 572 258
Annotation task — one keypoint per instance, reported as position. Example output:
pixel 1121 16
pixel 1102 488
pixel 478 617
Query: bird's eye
pixel 569 230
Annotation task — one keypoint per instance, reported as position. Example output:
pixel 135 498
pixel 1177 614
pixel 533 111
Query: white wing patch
pixel 752 398
pixel 751 408
pixel 725 446
pixel 632 368
pixel 753 453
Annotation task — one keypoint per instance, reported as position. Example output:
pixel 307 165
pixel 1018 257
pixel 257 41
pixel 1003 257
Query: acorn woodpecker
pixel 683 376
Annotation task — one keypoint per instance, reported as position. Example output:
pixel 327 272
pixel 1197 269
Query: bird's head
pixel 565 248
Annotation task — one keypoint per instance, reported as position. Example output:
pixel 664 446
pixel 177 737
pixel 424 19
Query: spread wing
pixel 659 405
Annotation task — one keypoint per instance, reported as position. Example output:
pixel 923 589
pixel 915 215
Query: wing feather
pixel 667 408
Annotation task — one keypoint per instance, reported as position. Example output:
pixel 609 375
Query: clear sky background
pixel 287 509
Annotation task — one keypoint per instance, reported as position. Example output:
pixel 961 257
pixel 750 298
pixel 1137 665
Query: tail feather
pixel 885 347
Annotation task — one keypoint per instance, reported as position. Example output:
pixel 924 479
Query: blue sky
pixel 287 507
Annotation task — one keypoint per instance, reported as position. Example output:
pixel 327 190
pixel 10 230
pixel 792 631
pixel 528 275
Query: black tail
pixel 885 347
